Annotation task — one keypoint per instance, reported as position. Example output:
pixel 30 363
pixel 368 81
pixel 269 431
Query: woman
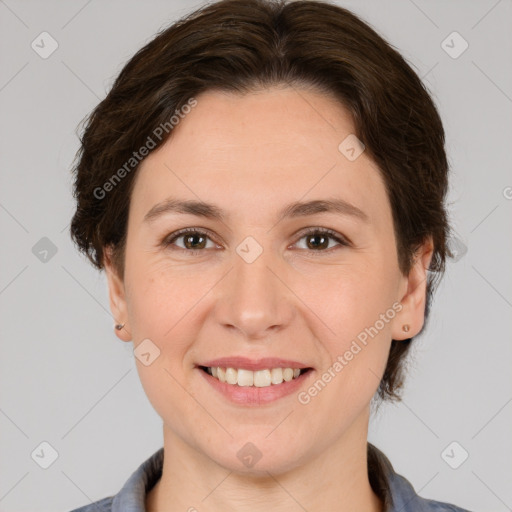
pixel 264 187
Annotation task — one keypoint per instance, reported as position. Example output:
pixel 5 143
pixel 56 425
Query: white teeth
pixel 276 375
pixel 231 376
pixel 259 378
pixel 244 377
pixel 287 374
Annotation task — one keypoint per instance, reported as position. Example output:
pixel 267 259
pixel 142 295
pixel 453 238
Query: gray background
pixel 67 380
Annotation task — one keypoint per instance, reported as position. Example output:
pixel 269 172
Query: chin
pixel 257 458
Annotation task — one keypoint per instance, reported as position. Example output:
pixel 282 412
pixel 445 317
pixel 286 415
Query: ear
pixel 117 296
pixel 413 291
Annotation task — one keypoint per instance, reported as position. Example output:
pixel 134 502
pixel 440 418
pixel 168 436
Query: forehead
pixel 292 119
pixel 264 148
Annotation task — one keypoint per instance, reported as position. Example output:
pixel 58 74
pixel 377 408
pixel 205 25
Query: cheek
pixel 162 297
pixel 357 345
pixel 161 309
pixel 356 307
pixel 350 298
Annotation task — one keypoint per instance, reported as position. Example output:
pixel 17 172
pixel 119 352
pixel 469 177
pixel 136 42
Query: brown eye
pixel 320 240
pixel 192 240
pixel 317 241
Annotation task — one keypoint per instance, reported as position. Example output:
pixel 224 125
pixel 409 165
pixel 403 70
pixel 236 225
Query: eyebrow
pixel 293 210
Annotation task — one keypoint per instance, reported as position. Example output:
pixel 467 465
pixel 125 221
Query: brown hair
pixel 240 46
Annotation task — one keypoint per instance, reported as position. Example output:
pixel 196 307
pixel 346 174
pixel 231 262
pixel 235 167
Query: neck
pixel 334 479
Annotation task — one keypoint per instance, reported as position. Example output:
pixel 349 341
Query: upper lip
pixel 245 363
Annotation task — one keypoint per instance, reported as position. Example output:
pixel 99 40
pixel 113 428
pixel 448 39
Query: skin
pixel 251 155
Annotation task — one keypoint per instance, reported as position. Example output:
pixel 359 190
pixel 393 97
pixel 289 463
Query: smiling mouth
pixel 259 378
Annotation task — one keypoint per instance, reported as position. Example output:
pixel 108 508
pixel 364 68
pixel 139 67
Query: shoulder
pixel 438 506
pixel 406 499
pixel 396 492
pixel 133 493
pixel 104 505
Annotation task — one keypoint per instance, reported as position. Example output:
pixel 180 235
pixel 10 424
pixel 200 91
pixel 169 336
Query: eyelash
pixel 168 241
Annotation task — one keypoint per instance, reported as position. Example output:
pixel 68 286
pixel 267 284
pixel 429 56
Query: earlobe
pixel 122 333
pixel 412 315
pixel 117 297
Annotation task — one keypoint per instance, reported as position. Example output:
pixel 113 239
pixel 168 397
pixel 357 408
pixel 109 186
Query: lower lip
pixel 252 395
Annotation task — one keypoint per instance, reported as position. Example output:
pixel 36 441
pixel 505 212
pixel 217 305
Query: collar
pixel 396 492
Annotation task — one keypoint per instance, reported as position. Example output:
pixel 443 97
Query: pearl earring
pixel 405 328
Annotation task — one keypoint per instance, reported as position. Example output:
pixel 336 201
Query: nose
pixel 254 298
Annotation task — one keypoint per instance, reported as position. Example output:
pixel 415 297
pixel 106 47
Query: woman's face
pixel 249 281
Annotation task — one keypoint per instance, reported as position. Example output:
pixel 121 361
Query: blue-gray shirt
pixel 396 492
